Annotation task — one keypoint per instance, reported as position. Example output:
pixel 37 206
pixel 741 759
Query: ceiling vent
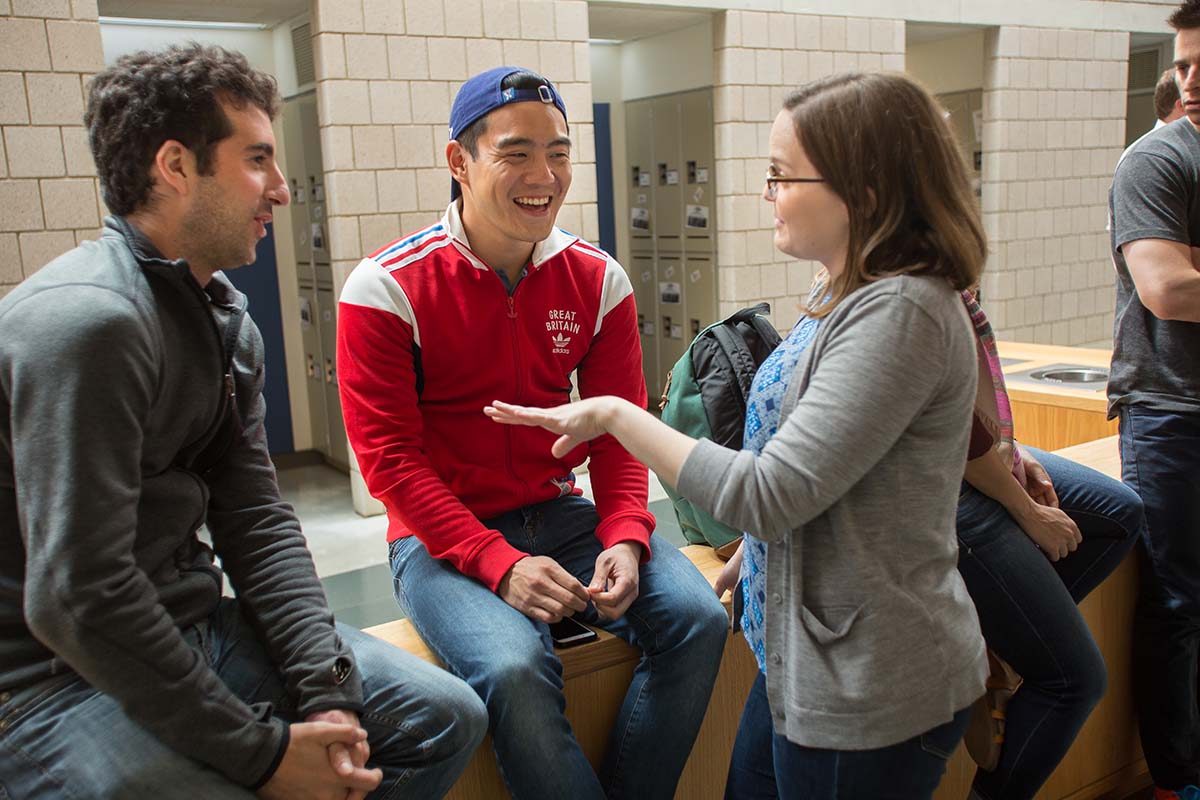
pixel 302 51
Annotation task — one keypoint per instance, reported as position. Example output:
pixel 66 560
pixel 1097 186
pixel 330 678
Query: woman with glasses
pixel 857 428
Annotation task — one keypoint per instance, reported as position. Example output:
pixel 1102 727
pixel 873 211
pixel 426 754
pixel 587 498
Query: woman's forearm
pixel 651 441
pixel 990 476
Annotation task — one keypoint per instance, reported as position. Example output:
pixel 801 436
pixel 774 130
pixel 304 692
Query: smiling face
pixel 513 188
pixel 1187 72
pixel 811 221
pixel 230 208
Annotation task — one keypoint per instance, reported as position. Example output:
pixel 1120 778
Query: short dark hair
pixel 1186 17
pixel 1166 94
pixel 524 79
pixel 148 98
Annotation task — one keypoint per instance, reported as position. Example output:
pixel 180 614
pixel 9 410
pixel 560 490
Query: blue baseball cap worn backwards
pixel 482 94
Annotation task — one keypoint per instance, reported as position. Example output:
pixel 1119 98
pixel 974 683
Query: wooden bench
pixel 1105 760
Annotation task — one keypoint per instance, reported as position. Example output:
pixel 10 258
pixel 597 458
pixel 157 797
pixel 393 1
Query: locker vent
pixel 303 54
pixel 1143 69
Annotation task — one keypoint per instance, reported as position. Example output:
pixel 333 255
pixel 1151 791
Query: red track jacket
pixel 428 335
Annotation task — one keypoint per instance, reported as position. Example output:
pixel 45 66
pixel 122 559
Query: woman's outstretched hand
pixel 577 422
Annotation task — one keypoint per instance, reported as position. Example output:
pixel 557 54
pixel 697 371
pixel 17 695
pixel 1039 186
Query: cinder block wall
pixel 1054 105
pixel 49 200
pixel 760 56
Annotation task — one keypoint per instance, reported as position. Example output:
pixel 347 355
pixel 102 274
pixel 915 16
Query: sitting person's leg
pixel 752 765
pixel 1030 620
pixel 1109 515
pixel 508 659
pixel 680 627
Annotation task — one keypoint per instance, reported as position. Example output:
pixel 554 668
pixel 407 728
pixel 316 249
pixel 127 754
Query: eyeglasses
pixel 774 180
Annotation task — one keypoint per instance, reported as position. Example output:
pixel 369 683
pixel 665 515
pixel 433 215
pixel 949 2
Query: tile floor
pixel 351 551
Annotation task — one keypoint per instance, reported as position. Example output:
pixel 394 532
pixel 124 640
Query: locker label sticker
pixel 676 331
pixel 669 292
pixel 643 179
pixel 669 272
pixel 640 218
pixel 305 313
pixel 694 276
pixel 642 199
pixel 672 177
pixel 648 328
pixel 697 217
pixel 646 276
pixel 701 175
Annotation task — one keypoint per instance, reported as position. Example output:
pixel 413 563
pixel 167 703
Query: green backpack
pixel 705 397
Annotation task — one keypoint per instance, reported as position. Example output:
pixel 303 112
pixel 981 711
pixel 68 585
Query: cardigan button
pixel 776 658
pixel 777 598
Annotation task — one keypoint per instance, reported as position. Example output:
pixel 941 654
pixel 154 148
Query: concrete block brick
pixel 34 152
pixel 10 260
pixel 383 16
pixel 430 102
pixel 557 60
pixel 820 64
pixel 70 203
pixel 408 57
pixel 465 18
pixel 40 248
pixel 366 56
pixel 578 99
pixel 845 61
pixel 424 19
pixel 329 56
pixel 337 147
pixel 483 54
pixel 583 184
pixel 374 147
pixel 1018 72
pixel 433 189
pixel 584 143
pixel 833 33
pixel 1030 43
pixel 522 53
pixel 501 19
pixel 893 62
pixel 727 29
pixel 351 193
pixel 448 59
pixel 571 20
pixel 85 9
pixel 75 46
pixel 1039 74
pixel 591 222
pixel 537 19
pixel 882 36
pixel 376 230
pixel 338 16
pixel 50 9
pixel 583 62
pixel 415 145
pixel 756 104
pixel 23 45
pixel 397 193
pixel 735 65
pixel 760 249
pixel 346 101
pixel 14 106
pixel 768 67
pixel 1003 42
pixel 570 217
pixel 756 29
pixel 795 67
pixel 344 242
pixel 858 34
pixel 808 32
pixel 781 32
pixel 390 102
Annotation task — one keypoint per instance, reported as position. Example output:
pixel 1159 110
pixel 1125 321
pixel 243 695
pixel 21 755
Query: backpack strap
pixel 748 315
pixel 739 357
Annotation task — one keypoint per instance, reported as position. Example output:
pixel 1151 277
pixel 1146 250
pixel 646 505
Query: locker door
pixel 699 199
pixel 639 178
pixel 641 275
pixel 673 326
pixel 313 365
pixel 668 176
pixel 700 282
pixel 327 306
pixel 294 169
pixel 314 175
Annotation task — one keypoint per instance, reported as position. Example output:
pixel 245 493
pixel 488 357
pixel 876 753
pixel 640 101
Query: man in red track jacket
pixel 489 538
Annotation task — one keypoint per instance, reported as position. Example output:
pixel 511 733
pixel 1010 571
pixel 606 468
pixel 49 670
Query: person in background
pixel 131 414
pixel 867 643
pixel 1154 390
pixel 490 541
pixel 1168 106
pixel 1036 534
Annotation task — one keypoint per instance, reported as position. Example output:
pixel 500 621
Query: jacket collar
pixel 558 240
pixel 219 290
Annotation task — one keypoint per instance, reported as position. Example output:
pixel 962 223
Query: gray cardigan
pixel 871 637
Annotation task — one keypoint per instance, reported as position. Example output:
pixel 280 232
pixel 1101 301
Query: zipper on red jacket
pixel 514 338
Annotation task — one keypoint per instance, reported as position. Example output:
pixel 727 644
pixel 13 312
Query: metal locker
pixel 296 172
pixel 313 378
pixel 645 287
pixel 697 148
pixel 314 177
pixel 668 187
pixel 327 324
pixel 700 282
pixel 672 316
pixel 640 177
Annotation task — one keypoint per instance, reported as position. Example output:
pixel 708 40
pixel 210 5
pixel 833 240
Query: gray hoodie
pixel 115 448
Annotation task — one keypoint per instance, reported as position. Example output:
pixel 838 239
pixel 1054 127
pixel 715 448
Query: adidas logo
pixel 560 343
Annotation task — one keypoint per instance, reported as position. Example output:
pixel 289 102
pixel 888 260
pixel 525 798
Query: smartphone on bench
pixel 568 633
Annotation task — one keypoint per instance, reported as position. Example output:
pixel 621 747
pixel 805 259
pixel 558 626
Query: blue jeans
pixel 1160 459
pixel 509 659
pixel 766 765
pixel 1028 615
pixel 61 738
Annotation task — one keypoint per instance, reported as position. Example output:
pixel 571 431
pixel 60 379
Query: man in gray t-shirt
pixel 1154 388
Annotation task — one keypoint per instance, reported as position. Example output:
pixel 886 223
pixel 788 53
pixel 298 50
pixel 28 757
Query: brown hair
pixel 148 98
pixel 1166 94
pixel 1186 17
pixel 884 147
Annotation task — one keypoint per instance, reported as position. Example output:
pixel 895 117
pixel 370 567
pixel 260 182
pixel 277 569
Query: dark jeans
pixel 766 765
pixel 1160 459
pixel 1027 611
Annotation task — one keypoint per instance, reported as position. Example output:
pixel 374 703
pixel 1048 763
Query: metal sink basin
pixel 1077 375
pixel 1067 376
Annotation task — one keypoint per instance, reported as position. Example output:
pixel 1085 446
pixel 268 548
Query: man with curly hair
pixel 131 414
pixel 1154 389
